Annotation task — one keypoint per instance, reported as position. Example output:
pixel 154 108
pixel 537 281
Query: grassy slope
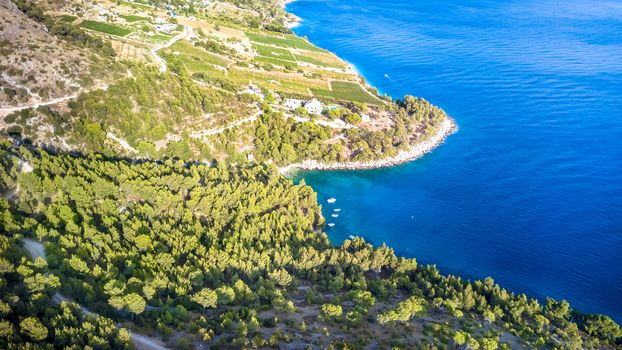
pixel 346 91
pixel 105 28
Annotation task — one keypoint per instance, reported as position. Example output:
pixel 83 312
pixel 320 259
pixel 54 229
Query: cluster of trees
pixel 29 319
pixel 212 45
pixel 285 141
pixel 403 311
pixel 143 110
pixel 15 94
pixel 65 30
pixel 206 248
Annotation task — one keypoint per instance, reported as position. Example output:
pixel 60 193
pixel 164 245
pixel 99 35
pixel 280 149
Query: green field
pixel 138 6
pixel 283 84
pixel 317 62
pixel 346 91
pixel 68 18
pixel 159 38
pixel 196 66
pixel 287 40
pixel 134 18
pixel 273 52
pixel 105 28
pixel 197 59
pixel 275 61
pixel 198 54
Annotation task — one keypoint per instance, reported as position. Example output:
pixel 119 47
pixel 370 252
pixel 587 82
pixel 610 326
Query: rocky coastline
pixel 447 128
pixel 292 20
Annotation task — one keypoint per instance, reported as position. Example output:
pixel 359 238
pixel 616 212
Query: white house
pixel 292 103
pixel 160 20
pixel 166 28
pixel 314 106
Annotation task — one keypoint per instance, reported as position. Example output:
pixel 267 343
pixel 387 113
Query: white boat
pixel 331 200
pixel 350 237
pixel 335 215
pixel 331 224
pixel 337 210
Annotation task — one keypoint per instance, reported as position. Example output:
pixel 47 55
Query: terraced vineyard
pixel 105 27
pixel 346 91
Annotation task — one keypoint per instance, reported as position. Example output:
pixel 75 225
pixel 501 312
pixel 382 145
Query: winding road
pixel 154 51
pixel 159 60
pixel 8 110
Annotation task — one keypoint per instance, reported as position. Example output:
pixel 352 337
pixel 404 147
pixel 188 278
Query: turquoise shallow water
pixel 529 191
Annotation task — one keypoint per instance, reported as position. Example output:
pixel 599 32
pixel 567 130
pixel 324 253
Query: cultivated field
pixel 347 91
pixel 104 27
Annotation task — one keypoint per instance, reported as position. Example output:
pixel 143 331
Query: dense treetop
pixel 189 245
pixel 152 218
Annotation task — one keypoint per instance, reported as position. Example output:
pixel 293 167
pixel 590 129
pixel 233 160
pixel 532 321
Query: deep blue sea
pixel 529 191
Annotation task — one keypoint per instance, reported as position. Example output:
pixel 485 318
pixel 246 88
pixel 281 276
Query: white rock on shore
pixel 448 127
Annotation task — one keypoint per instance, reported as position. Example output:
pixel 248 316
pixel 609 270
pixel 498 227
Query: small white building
pixel 160 20
pixel 292 103
pixel 166 28
pixel 314 107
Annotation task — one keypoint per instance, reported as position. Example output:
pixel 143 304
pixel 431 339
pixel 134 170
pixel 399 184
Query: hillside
pixel 38 65
pixel 233 257
pixel 143 204
pixel 207 86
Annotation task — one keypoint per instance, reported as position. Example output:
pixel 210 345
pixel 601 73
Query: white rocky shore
pixel 447 128
pixel 293 20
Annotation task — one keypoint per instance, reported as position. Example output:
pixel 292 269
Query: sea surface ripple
pixel 529 191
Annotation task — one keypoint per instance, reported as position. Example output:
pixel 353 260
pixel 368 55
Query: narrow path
pixel 154 51
pixel 199 134
pixel 122 142
pixel 10 193
pixel 332 124
pixel 9 110
pixel 141 342
pixel 24 167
